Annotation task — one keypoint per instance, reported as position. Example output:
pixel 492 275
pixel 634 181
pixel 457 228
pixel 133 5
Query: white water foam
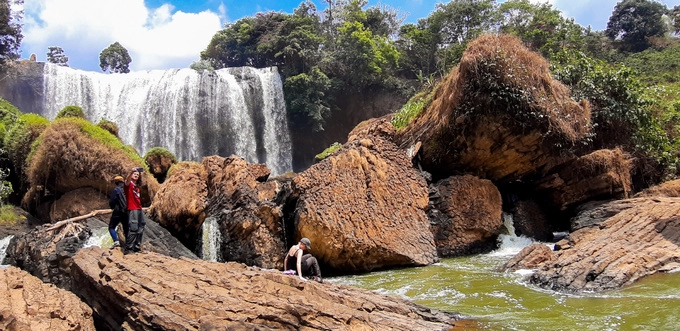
pixel 4 242
pixel 211 240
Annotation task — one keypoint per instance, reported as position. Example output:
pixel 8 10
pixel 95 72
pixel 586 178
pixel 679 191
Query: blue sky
pixel 171 34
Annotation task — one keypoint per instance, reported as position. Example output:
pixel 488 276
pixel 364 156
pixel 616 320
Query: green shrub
pixel 162 152
pixel 71 111
pixel 8 216
pixel 328 151
pixel 411 109
pixel 20 136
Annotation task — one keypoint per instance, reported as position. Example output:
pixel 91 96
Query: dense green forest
pixel 629 72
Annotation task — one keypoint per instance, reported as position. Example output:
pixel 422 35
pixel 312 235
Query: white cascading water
pixel 4 242
pixel 193 114
pixel 510 244
pixel 211 240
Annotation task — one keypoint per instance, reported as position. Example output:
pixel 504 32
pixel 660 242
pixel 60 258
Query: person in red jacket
pixel 136 218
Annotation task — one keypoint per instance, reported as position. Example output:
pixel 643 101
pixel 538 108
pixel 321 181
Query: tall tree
pixel 634 22
pixel 56 55
pixel 10 30
pixel 115 59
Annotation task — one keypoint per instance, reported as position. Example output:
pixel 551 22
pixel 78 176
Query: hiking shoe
pixel 116 244
pixel 318 279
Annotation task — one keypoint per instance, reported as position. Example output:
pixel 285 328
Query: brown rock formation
pixel 498 115
pixel 530 221
pixel 602 174
pixel 26 303
pixel 154 292
pixel 638 241
pixel 180 203
pixel 668 189
pixel 465 216
pixel 364 206
pixel 68 159
pixel 530 257
pixel 78 202
pixel 159 164
pixel 251 224
pixel 47 251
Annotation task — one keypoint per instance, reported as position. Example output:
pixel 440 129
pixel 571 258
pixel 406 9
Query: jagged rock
pixel 179 205
pixel 530 221
pixel 154 292
pixel 26 303
pixel 47 252
pixel 499 115
pixel 601 174
pixel 250 222
pixel 530 257
pixel 667 189
pixel 465 216
pixel 363 208
pixel 595 212
pixel 643 238
pixel 77 202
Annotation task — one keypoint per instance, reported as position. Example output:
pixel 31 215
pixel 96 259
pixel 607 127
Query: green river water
pixel 500 300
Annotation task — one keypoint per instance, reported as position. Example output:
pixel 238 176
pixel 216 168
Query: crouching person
pixel 302 265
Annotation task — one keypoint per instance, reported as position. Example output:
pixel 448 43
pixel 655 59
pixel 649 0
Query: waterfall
pixel 4 242
pixel 210 240
pixel 511 244
pixel 193 114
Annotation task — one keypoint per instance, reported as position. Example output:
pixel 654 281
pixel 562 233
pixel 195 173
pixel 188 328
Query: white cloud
pixel 158 38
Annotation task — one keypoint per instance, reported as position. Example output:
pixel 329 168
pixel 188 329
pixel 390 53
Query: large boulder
pixel 78 202
pixel 499 115
pixel 603 174
pixel 74 153
pixel 26 303
pixel 363 207
pixel 179 205
pixel 643 238
pixel 465 215
pixel 154 292
pixel 241 199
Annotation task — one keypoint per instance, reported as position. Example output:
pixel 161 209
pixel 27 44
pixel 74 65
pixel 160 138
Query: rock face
pixel 363 207
pixel 242 201
pixel 47 252
pixel 153 292
pixel 180 203
pixel 499 115
pixel 26 303
pixel 465 215
pixel 78 202
pixel 601 174
pixel 641 239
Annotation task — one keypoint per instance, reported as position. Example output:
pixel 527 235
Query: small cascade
pixel 511 244
pixel 4 243
pixel 100 237
pixel 238 111
pixel 211 239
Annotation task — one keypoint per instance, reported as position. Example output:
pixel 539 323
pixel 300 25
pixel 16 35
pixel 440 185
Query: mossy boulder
pixel 159 161
pixel 73 153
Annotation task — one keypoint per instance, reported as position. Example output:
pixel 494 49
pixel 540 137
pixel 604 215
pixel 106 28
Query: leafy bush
pixel 328 151
pixel 19 138
pixel 656 67
pixel 71 111
pixel 411 109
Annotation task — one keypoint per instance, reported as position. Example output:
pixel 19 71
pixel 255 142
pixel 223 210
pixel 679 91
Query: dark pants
pixel 118 218
pixel 309 266
pixel 136 225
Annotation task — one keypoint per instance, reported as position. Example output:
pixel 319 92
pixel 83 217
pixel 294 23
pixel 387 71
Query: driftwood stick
pixel 82 217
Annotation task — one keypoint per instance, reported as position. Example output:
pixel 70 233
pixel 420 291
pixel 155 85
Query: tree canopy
pixel 10 30
pixel 56 55
pixel 634 22
pixel 115 59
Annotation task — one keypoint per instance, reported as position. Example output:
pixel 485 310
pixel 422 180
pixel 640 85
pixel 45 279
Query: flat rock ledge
pixel 149 291
pixel 639 238
pixel 26 303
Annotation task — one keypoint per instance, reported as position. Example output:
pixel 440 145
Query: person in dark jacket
pixel 118 204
